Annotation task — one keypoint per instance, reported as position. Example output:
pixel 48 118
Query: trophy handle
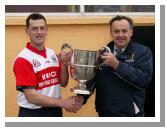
pixel 67 48
pixel 104 49
pixel 101 52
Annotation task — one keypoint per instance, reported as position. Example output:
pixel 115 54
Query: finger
pixel 69 54
pixel 106 62
pixel 105 53
pixel 73 100
pixel 104 57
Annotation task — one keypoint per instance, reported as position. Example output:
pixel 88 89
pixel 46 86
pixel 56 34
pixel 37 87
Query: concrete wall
pixel 89 33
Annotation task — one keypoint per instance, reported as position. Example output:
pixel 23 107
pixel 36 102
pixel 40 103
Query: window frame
pixel 83 13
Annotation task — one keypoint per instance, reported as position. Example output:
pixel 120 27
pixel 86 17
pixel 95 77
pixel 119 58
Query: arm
pixel 34 97
pixel 64 59
pixel 140 75
pixel 64 75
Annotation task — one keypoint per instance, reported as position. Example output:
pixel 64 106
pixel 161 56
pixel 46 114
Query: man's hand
pixel 73 103
pixel 110 60
pixel 65 57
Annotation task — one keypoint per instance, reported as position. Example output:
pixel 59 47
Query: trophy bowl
pixel 82 68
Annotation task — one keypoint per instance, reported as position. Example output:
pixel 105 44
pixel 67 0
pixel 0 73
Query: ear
pixel 131 32
pixel 26 30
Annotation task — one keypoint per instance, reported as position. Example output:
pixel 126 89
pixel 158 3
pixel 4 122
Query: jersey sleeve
pixel 25 76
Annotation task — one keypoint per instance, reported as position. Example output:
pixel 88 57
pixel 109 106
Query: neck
pixel 39 47
pixel 120 47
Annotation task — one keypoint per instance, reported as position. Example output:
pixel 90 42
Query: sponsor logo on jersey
pixel 36 63
pixel 52 81
pixel 48 79
pixel 49 75
pixel 54 59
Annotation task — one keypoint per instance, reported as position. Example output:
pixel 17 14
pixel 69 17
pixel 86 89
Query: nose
pixel 120 34
pixel 39 30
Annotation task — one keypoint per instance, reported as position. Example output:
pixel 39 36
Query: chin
pixel 121 45
pixel 39 43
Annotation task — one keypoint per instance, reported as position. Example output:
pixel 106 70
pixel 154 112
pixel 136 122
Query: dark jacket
pixel 118 90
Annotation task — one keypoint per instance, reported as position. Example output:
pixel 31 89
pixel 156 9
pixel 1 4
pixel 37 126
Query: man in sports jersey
pixel 39 75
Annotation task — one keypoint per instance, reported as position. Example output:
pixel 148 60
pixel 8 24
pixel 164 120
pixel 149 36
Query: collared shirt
pixel 117 49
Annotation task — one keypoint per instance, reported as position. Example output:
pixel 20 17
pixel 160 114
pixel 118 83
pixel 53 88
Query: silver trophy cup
pixel 82 68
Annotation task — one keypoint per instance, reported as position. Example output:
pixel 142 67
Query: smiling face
pixel 37 32
pixel 121 32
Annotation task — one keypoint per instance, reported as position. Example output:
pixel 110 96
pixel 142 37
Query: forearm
pixel 34 97
pixel 139 71
pixel 135 76
pixel 64 75
pixel 70 104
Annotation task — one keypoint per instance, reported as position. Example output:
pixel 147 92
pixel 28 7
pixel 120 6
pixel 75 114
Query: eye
pixel 124 31
pixel 116 31
pixel 34 28
pixel 43 28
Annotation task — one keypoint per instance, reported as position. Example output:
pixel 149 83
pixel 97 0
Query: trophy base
pixel 77 91
pixel 81 90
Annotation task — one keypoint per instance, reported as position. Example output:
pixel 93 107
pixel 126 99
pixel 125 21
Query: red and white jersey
pixel 37 69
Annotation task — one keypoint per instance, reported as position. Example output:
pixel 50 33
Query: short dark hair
pixel 34 16
pixel 121 17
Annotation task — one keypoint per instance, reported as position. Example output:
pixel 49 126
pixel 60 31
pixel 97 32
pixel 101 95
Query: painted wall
pixel 89 33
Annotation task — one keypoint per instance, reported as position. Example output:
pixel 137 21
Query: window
pixel 119 8
pixel 41 8
pixel 79 9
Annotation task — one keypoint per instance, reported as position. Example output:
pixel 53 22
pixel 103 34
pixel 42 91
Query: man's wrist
pixel 65 65
pixel 115 66
pixel 60 103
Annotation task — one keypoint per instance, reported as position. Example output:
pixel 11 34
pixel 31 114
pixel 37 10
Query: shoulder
pixel 21 62
pixel 140 47
pixel 25 53
pixel 22 58
pixel 141 51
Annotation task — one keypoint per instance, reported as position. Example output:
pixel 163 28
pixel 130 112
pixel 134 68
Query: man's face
pixel 121 33
pixel 37 31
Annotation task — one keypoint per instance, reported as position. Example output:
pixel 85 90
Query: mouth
pixel 121 40
pixel 39 37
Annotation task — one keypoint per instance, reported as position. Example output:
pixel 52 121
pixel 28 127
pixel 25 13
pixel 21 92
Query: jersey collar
pixel 42 53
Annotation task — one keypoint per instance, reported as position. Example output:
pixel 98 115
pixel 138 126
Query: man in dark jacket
pixel 120 83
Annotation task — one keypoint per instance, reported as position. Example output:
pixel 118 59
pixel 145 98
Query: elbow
pixel 31 97
pixel 144 83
